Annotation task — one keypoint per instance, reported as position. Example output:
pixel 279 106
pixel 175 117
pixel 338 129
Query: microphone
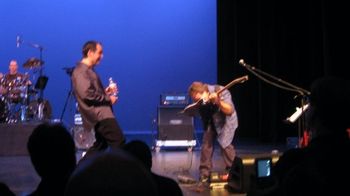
pixel 18 41
pixel 241 62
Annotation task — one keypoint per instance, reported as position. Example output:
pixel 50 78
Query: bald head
pixel 13 67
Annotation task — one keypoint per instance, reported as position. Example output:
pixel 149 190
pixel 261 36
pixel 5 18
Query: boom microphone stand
pixel 285 86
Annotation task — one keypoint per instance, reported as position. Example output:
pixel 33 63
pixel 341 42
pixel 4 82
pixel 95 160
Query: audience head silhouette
pixel 330 103
pixel 316 172
pixel 5 190
pixel 320 167
pixel 110 173
pixel 141 151
pixel 52 152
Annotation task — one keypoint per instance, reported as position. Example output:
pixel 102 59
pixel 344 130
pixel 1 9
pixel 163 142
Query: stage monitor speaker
pixel 172 125
pixel 235 181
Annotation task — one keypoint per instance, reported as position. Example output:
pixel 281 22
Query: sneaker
pixel 204 178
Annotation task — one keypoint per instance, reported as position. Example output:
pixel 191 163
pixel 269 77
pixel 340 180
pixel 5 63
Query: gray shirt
pixel 94 104
pixel 224 125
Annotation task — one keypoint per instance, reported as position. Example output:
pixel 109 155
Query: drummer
pixel 14 79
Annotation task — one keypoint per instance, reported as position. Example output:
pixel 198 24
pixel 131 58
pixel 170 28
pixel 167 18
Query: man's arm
pixel 85 89
pixel 223 101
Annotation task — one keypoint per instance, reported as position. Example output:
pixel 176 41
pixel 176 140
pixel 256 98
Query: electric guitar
pixel 190 108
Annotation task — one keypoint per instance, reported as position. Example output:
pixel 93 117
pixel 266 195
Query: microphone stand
pixel 41 95
pixel 285 86
pixel 41 90
pixel 69 71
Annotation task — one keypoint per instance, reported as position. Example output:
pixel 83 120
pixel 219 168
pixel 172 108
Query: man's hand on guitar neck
pixel 214 98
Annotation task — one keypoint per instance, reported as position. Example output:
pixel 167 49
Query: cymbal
pixel 33 62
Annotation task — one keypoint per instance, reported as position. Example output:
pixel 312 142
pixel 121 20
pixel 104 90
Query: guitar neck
pixel 192 106
pixel 233 82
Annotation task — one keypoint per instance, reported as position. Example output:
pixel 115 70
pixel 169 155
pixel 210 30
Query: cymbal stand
pixel 41 90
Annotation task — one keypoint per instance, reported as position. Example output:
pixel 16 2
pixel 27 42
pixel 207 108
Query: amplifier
pixel 171 115
pixel 175 128
pixel 174 99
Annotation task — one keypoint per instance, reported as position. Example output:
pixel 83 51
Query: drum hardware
pixel 41 83
pixel 23 113
pixel 83 138
pixel 33 63
pixel 14 93
pixel 39 110
pixel 17 104
pixel 3 109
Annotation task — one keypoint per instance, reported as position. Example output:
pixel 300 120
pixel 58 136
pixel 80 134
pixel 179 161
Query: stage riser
pixel 14 137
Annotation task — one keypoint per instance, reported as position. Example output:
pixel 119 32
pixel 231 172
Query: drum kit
pixel 19 101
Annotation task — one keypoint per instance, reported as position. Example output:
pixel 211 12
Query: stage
pixel 175 162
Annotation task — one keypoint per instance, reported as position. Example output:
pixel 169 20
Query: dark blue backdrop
pixel 150 47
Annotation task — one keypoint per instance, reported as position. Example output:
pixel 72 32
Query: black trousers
pixel 108 134
pixel 206 164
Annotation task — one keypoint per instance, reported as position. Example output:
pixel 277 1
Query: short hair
pixel 13 61
pixel 90 45
pixel 51 149
pixel 141 151
pixel 197 87
pixel 111 172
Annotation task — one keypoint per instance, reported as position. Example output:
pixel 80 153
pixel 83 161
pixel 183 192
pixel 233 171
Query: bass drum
pixel 83 139
pixel 3 109
pixel 34 108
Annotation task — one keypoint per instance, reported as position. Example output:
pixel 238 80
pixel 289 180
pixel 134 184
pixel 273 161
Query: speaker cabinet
pixel 172 125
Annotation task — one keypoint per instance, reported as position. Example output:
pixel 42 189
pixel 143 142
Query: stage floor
pixel 174 162
pixel 17 171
